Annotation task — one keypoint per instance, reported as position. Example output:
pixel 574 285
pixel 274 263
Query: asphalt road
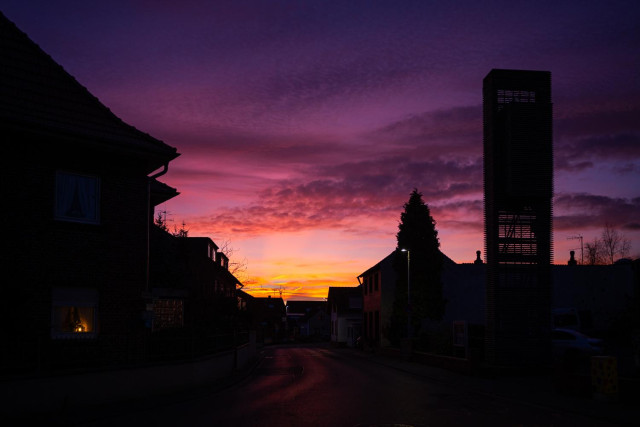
pixel 320 386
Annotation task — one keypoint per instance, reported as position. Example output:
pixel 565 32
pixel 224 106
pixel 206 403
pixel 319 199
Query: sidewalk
pixel 72 415
pixel 534 390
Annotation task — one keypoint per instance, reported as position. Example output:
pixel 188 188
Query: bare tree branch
pixel 614 244
pixel 237 268
pixel 594 252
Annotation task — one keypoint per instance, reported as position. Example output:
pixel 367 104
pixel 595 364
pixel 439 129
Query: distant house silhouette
pixel 80 186
pixel 345 306
pixel 191 287
pixel 308 320
pixel 267 317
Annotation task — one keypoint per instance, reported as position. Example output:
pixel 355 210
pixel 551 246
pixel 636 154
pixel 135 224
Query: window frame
pixel 66 299
pixel 90 201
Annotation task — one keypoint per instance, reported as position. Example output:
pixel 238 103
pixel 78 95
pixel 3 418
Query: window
pixel 168 313
pixel 376 331
pixel 77 198
pixel 74 313
pixel 520 96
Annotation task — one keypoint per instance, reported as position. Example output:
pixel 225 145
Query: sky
pixel 303 126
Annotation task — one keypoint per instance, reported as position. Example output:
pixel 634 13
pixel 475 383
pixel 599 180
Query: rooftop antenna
pixel 579 236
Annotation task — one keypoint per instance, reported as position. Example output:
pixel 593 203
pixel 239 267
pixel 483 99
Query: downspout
pixel 164 170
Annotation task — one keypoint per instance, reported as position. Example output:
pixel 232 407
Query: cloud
pixel 584 153
pixel 442 132
pixel 581 210
pixel 352 196
pixel 591 133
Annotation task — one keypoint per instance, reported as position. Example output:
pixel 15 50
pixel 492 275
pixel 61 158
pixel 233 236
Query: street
pixel 315 385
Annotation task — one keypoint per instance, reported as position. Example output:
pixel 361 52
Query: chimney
pixel 572 260
pixel 478 259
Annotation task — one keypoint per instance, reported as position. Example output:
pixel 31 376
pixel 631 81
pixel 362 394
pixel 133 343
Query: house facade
pixel 81 186
pixel 378 293
pixel 193 291
pixel 345 306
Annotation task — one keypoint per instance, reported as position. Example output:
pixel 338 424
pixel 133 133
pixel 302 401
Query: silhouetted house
pixel 378 293
pixel 244 301
pixel 345 306
pixel 79 190
pixel 603 296
pixel 268 317
pixel 192 287
pixel 463 289
pixel 462 325
pixel 379 283
pixel 308 320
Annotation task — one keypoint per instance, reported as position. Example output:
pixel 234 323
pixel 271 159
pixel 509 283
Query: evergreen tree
pixel 161 221
pixel 417 234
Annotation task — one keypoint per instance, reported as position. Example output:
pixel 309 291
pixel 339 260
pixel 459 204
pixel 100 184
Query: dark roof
pixel 304 307
pixel 244 295
pixel 340 297
pixel 161 192
pixel 201 243
pixel 39 97
pixel 262 306
pixel 389 258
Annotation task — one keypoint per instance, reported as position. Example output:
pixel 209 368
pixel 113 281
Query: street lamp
pixel 408 291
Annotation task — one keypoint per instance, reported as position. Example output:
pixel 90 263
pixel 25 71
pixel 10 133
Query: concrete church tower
pixel 518 190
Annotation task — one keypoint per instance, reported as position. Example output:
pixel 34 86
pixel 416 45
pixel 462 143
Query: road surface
pixel 320 386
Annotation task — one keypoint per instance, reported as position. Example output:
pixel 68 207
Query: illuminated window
pixel 73 313
pixel 77 198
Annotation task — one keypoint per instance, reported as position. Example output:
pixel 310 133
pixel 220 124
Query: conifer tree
pixel 417 234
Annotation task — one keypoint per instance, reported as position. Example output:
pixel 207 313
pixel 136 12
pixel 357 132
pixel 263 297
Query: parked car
pixel 572 347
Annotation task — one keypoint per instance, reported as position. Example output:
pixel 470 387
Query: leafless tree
pixel 237 268
pixel 614 244
pixel 594 252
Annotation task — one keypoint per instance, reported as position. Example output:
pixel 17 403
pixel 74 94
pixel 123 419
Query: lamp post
pixel 408 291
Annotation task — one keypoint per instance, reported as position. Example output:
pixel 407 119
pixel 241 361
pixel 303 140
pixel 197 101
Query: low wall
pixel 246 354
pixel 55 393
pixel 455 364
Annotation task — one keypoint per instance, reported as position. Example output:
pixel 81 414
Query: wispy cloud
pixel 575 211
pixel 303 117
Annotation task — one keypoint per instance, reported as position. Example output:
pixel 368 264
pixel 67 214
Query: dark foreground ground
pixel 315 385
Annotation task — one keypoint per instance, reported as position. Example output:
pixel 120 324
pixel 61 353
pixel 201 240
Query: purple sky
pixel 304 125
